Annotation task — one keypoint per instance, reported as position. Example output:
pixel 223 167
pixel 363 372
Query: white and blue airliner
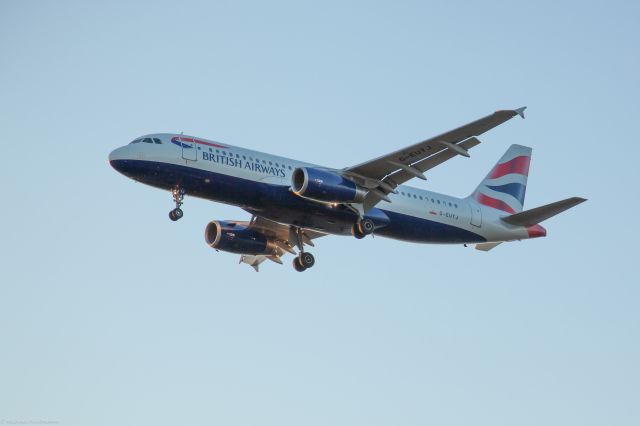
pixel 294 202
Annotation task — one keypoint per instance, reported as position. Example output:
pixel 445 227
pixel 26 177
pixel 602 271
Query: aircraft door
pixel 476 214
pixel 189 149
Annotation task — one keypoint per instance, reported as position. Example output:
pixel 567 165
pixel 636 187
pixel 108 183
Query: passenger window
pixel 438 201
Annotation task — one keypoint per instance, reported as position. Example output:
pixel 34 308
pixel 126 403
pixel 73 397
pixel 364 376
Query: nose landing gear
pixel 178 197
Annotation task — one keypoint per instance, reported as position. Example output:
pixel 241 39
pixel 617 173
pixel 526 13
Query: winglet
pixel 253 261
pixel 520 111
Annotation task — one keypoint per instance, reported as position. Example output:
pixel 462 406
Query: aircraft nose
pixel 117 158
pixel 116 154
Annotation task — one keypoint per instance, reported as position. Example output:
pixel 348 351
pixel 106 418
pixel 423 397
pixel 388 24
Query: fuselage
pixel 260 184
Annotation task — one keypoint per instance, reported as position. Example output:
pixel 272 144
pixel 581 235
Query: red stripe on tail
pixel 518 165
pixel 485 200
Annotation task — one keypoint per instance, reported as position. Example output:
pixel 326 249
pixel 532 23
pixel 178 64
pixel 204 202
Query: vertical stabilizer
pixel 505 186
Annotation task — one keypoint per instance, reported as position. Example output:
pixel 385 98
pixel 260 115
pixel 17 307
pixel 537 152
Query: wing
pixel 383 174
pixel 284 236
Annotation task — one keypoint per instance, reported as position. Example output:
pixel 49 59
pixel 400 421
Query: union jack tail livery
pixel 505 185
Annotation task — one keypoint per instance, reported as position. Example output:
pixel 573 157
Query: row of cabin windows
pixel 433 200
pixel 244 157
pixel 148 140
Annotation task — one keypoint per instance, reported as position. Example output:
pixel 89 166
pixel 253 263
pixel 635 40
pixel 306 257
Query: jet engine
pixel 237 238
pixel 325 186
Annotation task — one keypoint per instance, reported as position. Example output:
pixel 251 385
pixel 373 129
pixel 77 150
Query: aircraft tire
pixel 175 214
pixel 306 260
pixel 297 266
pixel 366 226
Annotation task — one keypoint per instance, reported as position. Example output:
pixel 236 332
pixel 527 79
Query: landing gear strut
pixel 178 197
pixel 363 227
pixel 304 260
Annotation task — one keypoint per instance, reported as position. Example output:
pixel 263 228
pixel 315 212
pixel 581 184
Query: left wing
pixel 383 174
pixel 284 236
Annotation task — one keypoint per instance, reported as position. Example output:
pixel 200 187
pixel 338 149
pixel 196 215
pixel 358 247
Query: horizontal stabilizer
pixel 537 215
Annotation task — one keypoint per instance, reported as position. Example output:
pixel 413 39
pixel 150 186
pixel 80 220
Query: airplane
pixel 292 203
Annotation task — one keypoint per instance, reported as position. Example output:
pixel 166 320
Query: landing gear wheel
pixel 297 266
pixel 175 214
pixel 357 233
pixel 306 260
pixel 362 228
pixel 366 226
pixel 178 196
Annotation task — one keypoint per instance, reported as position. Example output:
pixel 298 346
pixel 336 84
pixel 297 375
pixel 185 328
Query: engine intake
pixel 236 238
pixel 325 186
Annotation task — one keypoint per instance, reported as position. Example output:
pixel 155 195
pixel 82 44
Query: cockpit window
pixel 148 140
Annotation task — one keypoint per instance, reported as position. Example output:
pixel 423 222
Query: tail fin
pixel 505 185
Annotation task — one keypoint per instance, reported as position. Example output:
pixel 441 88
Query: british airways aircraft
pixel 293 202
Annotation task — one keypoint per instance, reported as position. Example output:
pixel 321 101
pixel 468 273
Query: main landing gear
pixel 304 260
pixel 178 197
pixel 363 227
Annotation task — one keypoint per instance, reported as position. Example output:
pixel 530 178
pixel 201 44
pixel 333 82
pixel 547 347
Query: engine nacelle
pixel 236 238
pixel 325 186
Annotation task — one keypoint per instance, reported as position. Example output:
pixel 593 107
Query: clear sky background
pixel 112 314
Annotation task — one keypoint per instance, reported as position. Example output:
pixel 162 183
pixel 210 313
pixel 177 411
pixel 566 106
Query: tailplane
pixel 505 186
pixel 532 217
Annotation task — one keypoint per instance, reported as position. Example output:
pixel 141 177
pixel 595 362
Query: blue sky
pixel 112 314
